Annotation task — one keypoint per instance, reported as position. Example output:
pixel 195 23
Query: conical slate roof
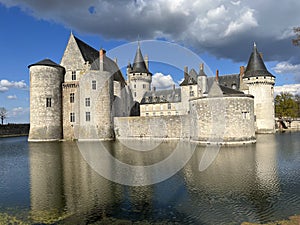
pixel 139 65
pixel 46 62
pixel 256 66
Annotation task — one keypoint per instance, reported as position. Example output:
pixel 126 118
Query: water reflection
pixel 242 184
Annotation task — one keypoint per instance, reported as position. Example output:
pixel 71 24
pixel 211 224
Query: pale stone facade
pixel 90 99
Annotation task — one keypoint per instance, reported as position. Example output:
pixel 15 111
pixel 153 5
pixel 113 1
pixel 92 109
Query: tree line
pixel 287 105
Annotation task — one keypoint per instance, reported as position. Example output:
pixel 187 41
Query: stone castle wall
pixel 172 127
pixel 211 120
pixel 70 107
pixel 223 119
pixel 262 90
pixel 45 122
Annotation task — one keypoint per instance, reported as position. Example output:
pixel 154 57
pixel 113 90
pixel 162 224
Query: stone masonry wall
pixel 152 127
pixel 45 122
pixel 222 119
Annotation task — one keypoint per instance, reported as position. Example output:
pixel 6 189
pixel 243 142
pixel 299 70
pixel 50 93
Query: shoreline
pixel 292 220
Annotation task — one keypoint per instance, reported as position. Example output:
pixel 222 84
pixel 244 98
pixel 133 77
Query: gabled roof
pixel 88 53
pixel 229 80
pixel 230 91
pixel 190 79
pixel 139 65
pixel 91 55
pixel 162 96
pixel 46 62
pixel 256 66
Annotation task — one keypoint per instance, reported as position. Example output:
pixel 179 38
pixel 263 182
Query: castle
pixel 86 97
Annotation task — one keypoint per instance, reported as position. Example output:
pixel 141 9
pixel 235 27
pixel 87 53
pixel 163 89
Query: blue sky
pixel 221 36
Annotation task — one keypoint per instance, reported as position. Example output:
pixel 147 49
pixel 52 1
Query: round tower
pixel 46 78
pixel 261 85
pixel 202 81
pixel 139 77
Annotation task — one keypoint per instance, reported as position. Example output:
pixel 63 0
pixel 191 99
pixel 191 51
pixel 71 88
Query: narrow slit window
pixel 72 97
pixel 72 117
pixel 87 116
pixel 73 75
pixel 94 85
pixel 48 102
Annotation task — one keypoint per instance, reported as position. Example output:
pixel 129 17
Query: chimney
pixel 146 59
pixel 102 55
pixel 217 76
pixel 154 89
pixel 201 66
pixel 242 71
pixel 116 60
pixel 186 72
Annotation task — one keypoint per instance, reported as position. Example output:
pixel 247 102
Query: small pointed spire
pixel 139 65
pixel 254 44
pixel 256 66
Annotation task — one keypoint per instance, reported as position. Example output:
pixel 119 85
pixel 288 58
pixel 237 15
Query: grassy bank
pixel 293 220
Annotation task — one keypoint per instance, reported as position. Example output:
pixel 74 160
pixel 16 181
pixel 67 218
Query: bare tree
pixel 296 41
pixel 3 114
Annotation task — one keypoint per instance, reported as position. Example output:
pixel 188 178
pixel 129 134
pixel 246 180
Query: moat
pixel 51 183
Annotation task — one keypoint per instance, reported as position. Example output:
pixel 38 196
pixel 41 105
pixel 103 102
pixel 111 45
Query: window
pixel 48 102
pixel 134 86
pixel 169 113
pixel 87 116
pixel 87 102
pixel 134 94
pixel 144 86
pixel 72 117
pixel 191 87
pixel 73 75
pixel 191 93
pixel 93 84
pixel 147 114
pixel 246 115
pixel 169 105
pixel 72 95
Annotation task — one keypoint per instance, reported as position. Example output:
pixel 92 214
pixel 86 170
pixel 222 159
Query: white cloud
pixel 161 81
pixel 11 97
pixel 224 28
pixel 5 85
pixel 290 88
pixel 18 111
pixel 286 68
pixel 241 24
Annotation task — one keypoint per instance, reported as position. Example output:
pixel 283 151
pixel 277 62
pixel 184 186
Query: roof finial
pixel 139 41
pixel 254 44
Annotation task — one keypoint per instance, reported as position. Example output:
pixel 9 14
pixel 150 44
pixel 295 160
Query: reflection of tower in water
pixel 241 181
pixel 266 163
pixel 46 181
pixel 64 187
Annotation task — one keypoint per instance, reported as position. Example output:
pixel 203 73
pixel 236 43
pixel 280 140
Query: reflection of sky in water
pixel 254 183
pixel 14 172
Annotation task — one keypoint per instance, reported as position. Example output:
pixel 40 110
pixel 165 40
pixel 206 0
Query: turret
pixel 261 83
pixel 46 78
pixel 139 77
pixel 202 81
